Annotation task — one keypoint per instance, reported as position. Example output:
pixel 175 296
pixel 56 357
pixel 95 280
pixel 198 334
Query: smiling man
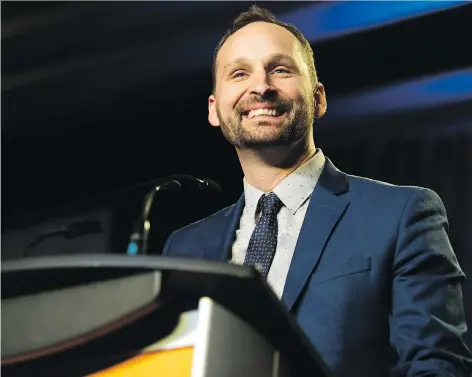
pixel 365 267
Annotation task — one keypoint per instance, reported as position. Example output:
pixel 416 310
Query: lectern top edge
pixel 138 262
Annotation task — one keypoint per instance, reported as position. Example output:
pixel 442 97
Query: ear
pixel 320 101
pixel 212 114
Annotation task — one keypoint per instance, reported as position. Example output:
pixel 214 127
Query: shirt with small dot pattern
pixel 295 193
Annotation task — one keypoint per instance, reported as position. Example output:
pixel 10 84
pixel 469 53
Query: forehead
pixel 257 41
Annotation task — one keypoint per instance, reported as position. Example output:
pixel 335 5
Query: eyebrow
pixel 273 58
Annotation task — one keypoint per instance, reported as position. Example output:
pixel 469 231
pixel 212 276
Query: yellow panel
pixel 171 363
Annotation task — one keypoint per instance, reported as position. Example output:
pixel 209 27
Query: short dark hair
pixel 257 14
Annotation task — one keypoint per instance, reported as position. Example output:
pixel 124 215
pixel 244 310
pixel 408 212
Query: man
pixel 365 267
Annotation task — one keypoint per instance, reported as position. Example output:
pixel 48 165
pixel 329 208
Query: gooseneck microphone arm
pixel 138 241
pixel 139 238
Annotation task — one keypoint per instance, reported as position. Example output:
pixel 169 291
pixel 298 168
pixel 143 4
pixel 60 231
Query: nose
pixel 261 84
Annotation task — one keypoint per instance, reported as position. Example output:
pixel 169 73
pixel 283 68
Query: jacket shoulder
pixel 197 228
pixel 214 217
pixel 392 201
pixel 373 190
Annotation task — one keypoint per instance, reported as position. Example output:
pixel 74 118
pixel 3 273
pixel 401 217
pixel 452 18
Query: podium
pixel 110 316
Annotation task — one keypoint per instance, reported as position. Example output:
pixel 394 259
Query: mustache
pixel 280 105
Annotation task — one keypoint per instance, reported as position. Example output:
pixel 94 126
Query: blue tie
pixel 263 242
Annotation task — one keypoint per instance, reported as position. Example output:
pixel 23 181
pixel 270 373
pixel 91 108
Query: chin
pixel 267 142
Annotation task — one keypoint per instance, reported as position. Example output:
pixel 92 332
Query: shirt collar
pixel 294 190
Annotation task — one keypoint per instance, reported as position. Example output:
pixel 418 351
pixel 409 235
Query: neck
pixel 266 168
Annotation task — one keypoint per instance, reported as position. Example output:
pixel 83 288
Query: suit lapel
pixel 222 238
pixel 324 211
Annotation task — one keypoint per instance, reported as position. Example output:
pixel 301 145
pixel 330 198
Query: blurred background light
pixel 333 19
pixel 438 90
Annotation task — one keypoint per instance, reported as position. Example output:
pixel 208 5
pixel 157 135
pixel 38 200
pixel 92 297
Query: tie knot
pixel 270 204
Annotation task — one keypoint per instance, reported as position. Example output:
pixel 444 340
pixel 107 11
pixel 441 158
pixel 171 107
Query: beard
pixel 296 125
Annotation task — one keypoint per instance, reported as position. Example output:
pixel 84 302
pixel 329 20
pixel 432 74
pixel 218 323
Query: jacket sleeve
pixel 427 322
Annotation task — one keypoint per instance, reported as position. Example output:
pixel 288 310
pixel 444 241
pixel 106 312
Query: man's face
pixel 264 95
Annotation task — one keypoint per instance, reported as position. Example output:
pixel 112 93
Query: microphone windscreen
pixel 211 186
pixel 171 185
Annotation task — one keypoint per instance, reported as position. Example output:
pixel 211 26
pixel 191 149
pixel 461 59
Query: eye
pixel 238 74
pixel 281 70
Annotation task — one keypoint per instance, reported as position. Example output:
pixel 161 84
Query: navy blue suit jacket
pixel 374 282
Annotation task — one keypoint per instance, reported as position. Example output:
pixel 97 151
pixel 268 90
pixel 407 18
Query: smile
pixel 262 113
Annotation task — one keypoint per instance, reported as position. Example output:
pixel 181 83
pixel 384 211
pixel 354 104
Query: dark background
pixel 100 96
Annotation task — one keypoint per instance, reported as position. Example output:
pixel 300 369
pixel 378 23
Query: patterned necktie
pixel 263 242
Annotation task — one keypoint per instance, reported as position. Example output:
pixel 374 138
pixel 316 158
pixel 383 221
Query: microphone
pixel 138 241
pixel 203 184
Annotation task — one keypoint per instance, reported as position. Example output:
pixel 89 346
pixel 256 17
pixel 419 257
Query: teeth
pixel 257 112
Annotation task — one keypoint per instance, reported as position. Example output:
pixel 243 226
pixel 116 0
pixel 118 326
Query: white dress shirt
pixel 295 193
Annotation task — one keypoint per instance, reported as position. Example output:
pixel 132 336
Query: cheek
pixel 296 90
pixel 231 96
pixel 304 97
